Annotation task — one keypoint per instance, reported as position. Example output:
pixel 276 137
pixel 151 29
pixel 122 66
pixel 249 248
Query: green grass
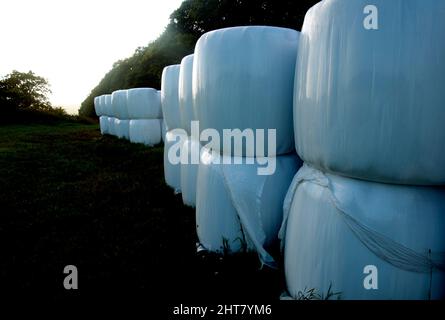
pixel 70 196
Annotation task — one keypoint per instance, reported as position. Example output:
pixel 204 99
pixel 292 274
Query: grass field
pixel 70 196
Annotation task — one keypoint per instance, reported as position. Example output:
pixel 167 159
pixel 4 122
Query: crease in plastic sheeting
pixel 306 173
pixel 240 195
pixel 380 245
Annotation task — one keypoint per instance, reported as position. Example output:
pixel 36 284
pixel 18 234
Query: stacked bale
pixel 171 113
pixel 369 105
pixel 106 105
pixel 120 111
pixel 98 108
pixel 243 79
pixel 144 110
pixel 191 147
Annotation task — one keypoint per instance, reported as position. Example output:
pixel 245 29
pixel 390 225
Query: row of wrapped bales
pixel 368 120
pixel 133 114
pixel 102 106
pixel 172 119
pixel 144 110
pixel 243 79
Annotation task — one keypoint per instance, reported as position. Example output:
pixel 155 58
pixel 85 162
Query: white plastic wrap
pixel 370 103
pixel 119 104
pixel 112 126
pixel 144 103
pixel 106 105
pixel 185 93
pixel 172 171
pixel 170 97
pixel 101 107
pixel 163 130
pixel 122 129
pixel 145 131
pixel 336 226
pixel 103 124
pixel 189 172
pixel 238 209
pixel 243 78
pixel 97 107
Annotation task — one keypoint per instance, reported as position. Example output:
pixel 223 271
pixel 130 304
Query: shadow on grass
pixel 70 196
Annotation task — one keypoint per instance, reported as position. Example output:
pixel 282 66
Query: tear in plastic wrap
pixel 236 208
pixel 334 227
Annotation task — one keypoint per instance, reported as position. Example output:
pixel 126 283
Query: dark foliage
pixel 187 24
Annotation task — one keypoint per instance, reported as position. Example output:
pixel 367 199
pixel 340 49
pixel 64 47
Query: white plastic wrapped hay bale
pixel 237 209
pixel 122 129
pixel 189 171
pixel 144 103
pixel 103 124
pixel 369 103
pixel 185 93
pixel 112 126
pixel 337 226
pixel 145 131
pixel 243 78
pixel 97 107
pixel 173 142
pixel 170 97
pixel 119 104
pixel 106 105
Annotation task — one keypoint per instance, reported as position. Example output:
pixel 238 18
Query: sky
pixel 73 43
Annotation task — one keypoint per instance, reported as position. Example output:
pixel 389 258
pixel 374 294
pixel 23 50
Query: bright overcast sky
pixel 73 43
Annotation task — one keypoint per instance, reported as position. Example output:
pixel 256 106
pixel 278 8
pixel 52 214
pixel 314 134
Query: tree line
pixel 191 20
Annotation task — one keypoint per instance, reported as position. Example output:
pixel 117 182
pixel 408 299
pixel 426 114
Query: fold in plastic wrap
pixel 170 97
pixel 185 93
pixel 119 104
pixel 370 104
pixel 144 103
pixel 334 227
pixel 236 208
pixel 189 171
pixel 243 79
pixel 145 131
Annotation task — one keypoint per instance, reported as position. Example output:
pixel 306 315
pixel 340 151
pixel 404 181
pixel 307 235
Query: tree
pixel 187 24
pixel 24 91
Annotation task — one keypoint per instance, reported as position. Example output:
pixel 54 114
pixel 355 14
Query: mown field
pixel 69 196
